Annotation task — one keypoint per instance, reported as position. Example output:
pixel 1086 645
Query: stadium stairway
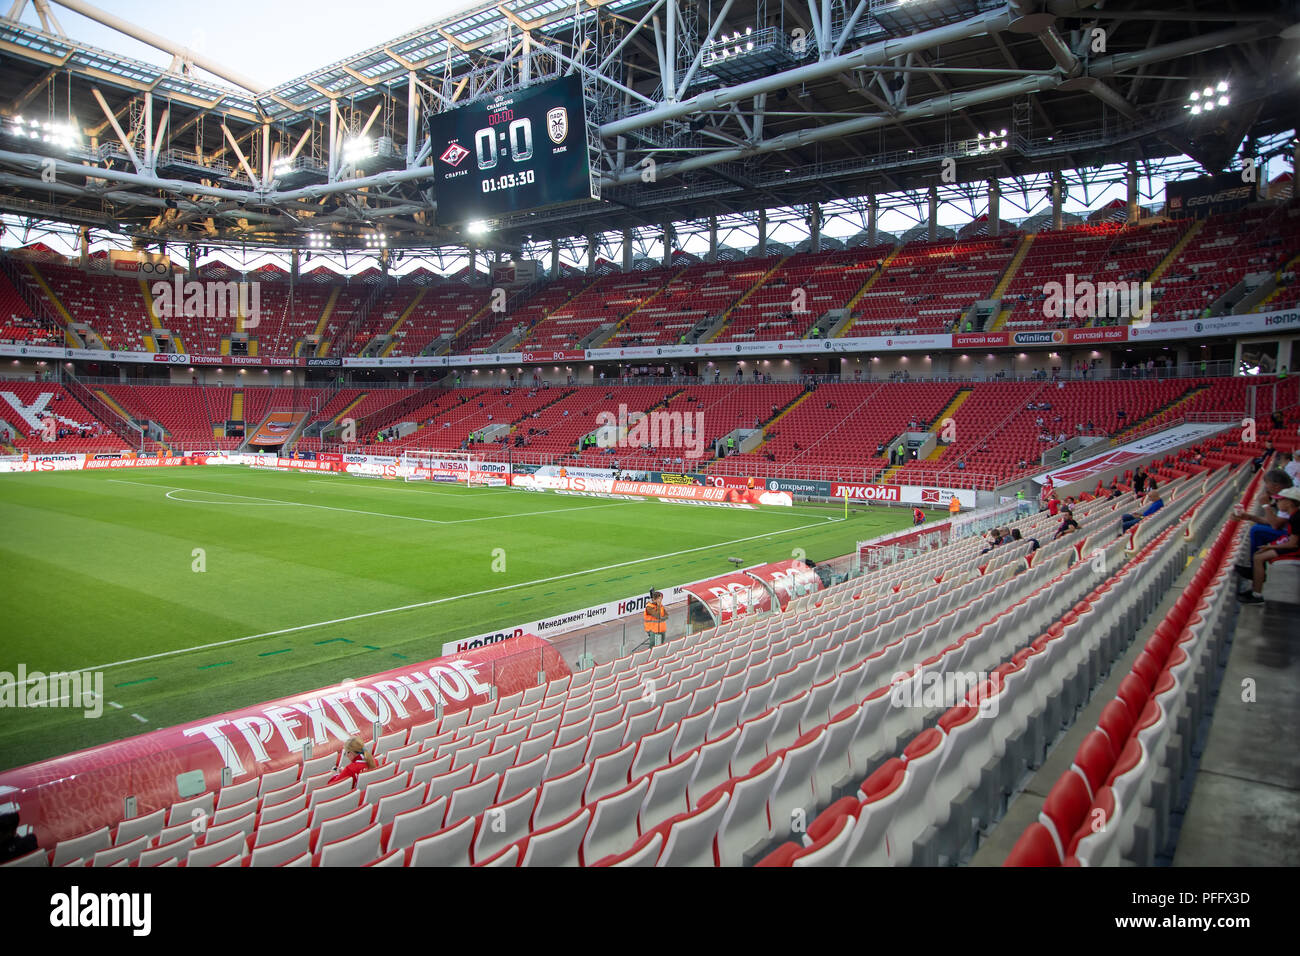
pixel 59 308
pixel 1282 288
pixel 726 316
pixel 112 403
pixel 768 425
pixel 324 319
pixel 401 319
pixel 361 397
pixel 1012 268
pixel 871 280
pixel 154 322
pixel 949 411
pixel 1172 256
pixel 619 325
pixel 1161 414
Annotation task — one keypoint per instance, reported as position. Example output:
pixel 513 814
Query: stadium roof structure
pixel 740 104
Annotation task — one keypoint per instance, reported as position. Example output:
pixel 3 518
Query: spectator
pixel 1269 524
pixel 1015 536
pixel 1067 525
pixel 12 845
pixel 1288 504
pixel 1139 481
pixel 359 760
pixel 1128 521
pixel 1293 468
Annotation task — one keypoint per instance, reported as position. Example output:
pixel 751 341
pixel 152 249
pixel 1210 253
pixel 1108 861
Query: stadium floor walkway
pixel 1245 804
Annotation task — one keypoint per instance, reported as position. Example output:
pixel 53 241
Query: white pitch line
pixel 414 488
pixel 436 601
pixel 262 502
pixel 113 703
pixel 139 718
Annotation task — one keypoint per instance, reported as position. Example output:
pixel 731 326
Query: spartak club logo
pixel 454 154
pixel 929 494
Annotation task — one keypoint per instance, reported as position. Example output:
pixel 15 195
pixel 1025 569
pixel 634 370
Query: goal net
pixel 453 468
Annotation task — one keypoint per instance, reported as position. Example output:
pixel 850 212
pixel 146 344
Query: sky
pixel 268 40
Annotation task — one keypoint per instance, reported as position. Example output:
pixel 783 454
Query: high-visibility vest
pixel 954 506
pixel 656 618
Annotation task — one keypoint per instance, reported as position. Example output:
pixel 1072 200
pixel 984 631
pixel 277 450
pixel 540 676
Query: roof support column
pixel 627 250
pixel 995 211
pixel 1131 178
pixel 933 219
pixel 762 233
pixel 412 115
pixel 1058 198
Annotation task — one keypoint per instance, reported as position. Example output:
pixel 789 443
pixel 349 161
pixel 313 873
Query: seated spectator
pixel 1067 525
pixel 1288 505
pixel 1015 536
pixel 1155 503
pixel 359 760
pixel 1269 524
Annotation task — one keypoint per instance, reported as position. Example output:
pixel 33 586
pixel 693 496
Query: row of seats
pixel 927 804
pixel 1115 801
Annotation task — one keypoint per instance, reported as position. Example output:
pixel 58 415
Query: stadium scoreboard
pixel 512 153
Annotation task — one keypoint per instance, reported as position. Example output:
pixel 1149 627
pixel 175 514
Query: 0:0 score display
pixel 493 143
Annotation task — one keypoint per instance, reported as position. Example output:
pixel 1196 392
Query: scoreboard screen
pixel 512 153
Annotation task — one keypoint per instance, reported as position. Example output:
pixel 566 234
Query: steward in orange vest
pixel 656 619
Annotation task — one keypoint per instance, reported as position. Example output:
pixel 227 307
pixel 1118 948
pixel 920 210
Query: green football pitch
pixel 200 590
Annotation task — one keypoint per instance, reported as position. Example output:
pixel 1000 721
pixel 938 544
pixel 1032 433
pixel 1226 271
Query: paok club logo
pixel 454 154
pixel 557 124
